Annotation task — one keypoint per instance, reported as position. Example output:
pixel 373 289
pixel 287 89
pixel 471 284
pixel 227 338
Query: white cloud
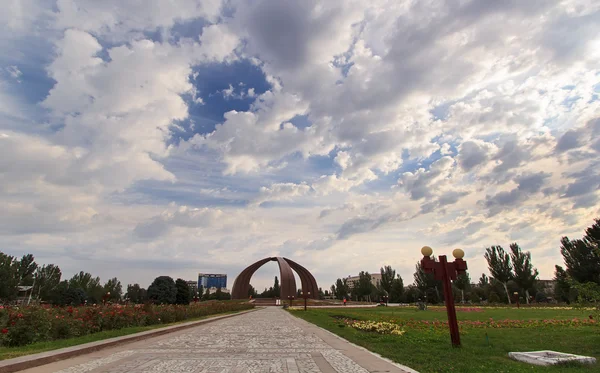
pixel 505 92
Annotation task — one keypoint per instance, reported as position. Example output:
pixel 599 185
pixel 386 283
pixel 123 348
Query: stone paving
pixel 268 340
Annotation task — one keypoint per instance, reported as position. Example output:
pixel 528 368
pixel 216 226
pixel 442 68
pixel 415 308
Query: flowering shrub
pixel 458 309
pixel 24 325
pixel 380 327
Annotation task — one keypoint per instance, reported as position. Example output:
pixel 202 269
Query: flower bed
pixel 383 326
pixel 380 327
pixel 24 325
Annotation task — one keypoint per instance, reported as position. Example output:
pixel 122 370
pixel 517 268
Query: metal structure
pixel 287 279
pixel 446 271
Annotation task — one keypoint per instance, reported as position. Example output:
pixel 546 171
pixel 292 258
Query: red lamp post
pixel 516 294
pixel 446 271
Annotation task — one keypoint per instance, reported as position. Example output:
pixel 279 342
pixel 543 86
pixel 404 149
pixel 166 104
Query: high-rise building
pixel 212 280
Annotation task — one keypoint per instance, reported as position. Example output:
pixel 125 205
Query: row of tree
pixel 511 272
pixel 24 278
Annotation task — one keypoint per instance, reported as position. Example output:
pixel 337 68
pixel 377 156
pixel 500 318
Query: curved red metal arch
pixel 241 285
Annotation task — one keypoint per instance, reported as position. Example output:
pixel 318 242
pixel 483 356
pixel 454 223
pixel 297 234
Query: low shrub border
pixel 20 326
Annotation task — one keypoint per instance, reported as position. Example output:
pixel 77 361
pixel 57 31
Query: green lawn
pixel 34 348
pixel 429 350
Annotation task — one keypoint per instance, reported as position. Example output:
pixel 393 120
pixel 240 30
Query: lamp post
pixel 291 298
pixel 385 299
pixel 106 297
pixel 305 296
pixel 516 294
pixel 446 271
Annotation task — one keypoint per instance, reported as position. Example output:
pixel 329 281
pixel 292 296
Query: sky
pixel 146 138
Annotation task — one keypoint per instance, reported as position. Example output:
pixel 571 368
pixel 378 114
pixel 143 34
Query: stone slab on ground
pixel 548 357
pixel 42 358
pixel 268 340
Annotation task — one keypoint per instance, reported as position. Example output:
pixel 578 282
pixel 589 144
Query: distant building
pixel 212 280
pixel 546 286
pixel 193 285
pixel 375 278
pixel 214 290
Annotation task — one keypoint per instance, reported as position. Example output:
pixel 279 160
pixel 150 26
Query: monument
pixel 288 281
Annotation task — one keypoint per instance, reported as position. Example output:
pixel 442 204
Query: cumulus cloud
pixel 466 124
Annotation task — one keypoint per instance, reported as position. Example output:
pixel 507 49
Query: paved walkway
pixel 268 340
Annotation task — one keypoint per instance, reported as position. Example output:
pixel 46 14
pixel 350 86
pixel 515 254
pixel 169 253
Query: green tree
pixel 462 283
pixel 163 290
pixel 484 280
pixel 9 279
pixel 46 279
pixel 341 288
pixel 397 291
pixel 276 288
pixel 562 286
pixel 363 288
pixel 499 266
pixel 135 293
pixel 388 275
pixel 581 259
pixel 113 286
pixel 89 284
pixel 183 292
pixel 426 283
pixel 65 295
pixel 525 275
pixel 26 268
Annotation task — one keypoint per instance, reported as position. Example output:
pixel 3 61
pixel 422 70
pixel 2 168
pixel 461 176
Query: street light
pixel 516 294
pixel 385 299
pixel 291 298
pixel 446 271
pixel 106 297
pixel 305 296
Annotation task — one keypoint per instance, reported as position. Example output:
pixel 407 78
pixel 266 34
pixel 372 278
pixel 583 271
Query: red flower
pixel 4 331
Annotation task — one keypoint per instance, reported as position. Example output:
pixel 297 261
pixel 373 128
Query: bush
pixel 24 325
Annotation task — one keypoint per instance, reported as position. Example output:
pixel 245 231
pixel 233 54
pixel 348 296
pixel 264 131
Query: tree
pixel 562 286
pixel 276 288
pixel 135 293
pixel 9 279
pixel 26 268
pixel 183 292
pixel 426 283
pixel 89 284
pixel 341 288
pixel 163 290
pixel 388 275
pixel 252 292
pixel 525 275
pixel 66 295
pixel 113 286
pixel 499 266
pixel 582 260
pixel 363 288
pixel 462 283
pixel 46 279
pixel 397 290
pixel 483 280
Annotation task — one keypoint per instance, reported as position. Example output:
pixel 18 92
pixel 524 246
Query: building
pixel 193 285
pixel 212 280
pixel 214 290
pixel 375 278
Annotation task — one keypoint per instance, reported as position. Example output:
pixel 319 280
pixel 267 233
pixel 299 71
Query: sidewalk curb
pixel 43 358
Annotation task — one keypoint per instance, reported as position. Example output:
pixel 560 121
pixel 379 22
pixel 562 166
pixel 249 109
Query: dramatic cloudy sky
pixel 141 138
